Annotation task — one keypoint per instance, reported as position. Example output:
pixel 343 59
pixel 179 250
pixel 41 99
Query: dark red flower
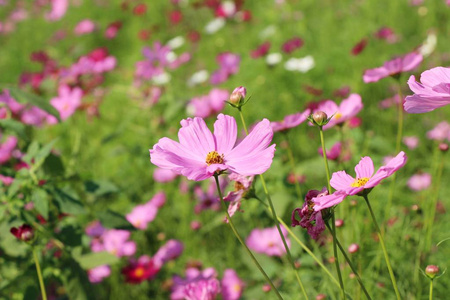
pixel 359 47
pixel 291 45
pixel 175 17
pixel 145 268
pixel 262 50
pixel 24 233
pixel 140 9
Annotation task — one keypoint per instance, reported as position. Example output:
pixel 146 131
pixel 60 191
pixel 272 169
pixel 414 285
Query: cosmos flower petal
pixel 196 136
pixel 254 163
pixel 341 180
pixel 329 200
pixel 364 169
pixel 225 133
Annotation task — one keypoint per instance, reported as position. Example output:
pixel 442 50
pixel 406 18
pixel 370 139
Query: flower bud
pixel 238 95
pixel 431 271
pixel 318 118
pixel 443 147
pixel 196 225
pixel 24 233
pixel 339 223
pixel 266 288
pixel 353 248
pixel 321 297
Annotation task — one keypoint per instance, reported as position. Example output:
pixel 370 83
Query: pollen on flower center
pixel 359 182
pixel 139 272
pixel 337 116
pixel 238 186
pixel 214 158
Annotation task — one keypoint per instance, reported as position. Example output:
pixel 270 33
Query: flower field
pixel 208 149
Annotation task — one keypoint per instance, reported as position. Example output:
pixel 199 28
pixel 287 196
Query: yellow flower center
pixel 337 116
pixel 139 272
pixel 236 287
pixel 214 158
pixel 238 186
pixel 359 182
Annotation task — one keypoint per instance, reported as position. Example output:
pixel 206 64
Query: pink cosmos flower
pixel 433 91
pixel 309 218
pixel 393 67
pixel 6 180
pixel 241 186
pixel 97 274
pixel 333 153
pixel 95 229
pixel 290 121
pixel 419 182
pixel 84 27
pixel 207 105
pixel 229 65
pixel 59 9
pixel 345 185
pixel 440 132
pixel 169 251
pixel 348 108
pixel 200 153
pixel 204 289
pixel 193 275
pixel 411 142
pixel 143 214
pixel 7 148
pixel 232 285
pixel 112 29
pixel 163 175
pixel 115 241
pixel 268 241
pixel 67 101
pixel 386 103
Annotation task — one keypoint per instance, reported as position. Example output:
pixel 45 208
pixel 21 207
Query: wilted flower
pixel 393 67
pixel 201 154
pixel 24 233
pixel 267 241
pixel 310 218
pixel 346 185
pixel 433 91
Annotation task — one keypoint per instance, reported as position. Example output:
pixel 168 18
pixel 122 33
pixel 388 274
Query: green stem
pixel 397 150
pixel 333 225
pixel 288 252
pixel 383 246
pixel 275 218
pixel 298 189
pixel 433 204
pixel 431 290
pixel 304 247
pixel 230 221
pixel 350 264
pixel 39 273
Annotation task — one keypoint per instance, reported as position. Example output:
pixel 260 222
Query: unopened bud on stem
pixel 238 95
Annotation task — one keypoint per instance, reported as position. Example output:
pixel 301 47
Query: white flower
pixel 229 8
pixel 161 79
pixel 215 25
pixel 267 32
pixel 302 65
pixel 176 42
pixel 198 77
pixel 428 45
pixel 273 58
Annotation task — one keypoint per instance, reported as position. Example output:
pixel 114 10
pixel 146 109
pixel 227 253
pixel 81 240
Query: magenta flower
pixel 143 214
pixel 268 241
pixel 232 285
pixel 345 185
pixel 348 108
pixel 229 65
pixel 262 50
pixel 419 182
pixel 201 154
pixel 209 199
pixel 169 251
pixel 97 274
pixel 291 45
pixel 193 275
pixel 393 67
pixel 145 268
pixel 433 91
pixel 204 289
pixel 440 132
pixel 309 218
pixel 333 153
pixel 290 121
pixel 7 148
pixel 67 101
